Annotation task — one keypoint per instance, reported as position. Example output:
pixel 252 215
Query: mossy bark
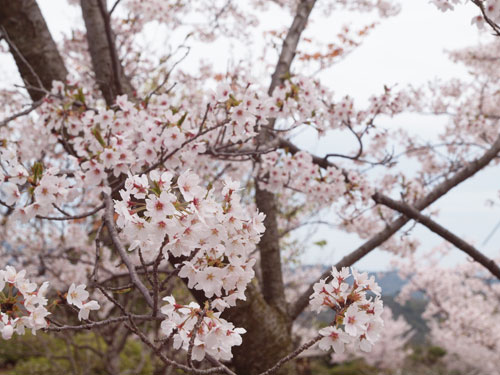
pixel 268 337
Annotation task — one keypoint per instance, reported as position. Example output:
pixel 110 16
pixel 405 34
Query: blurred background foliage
pixel 45 354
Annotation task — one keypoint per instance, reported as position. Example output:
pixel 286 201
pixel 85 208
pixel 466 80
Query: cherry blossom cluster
pixel 46 191
pixel 307 101
pixel 212 334
pixel 115 141
pixel 12 175
pixel 77 296
pixel 296 101
pixel 391 349
pixel 23 303
pixel 445 5
pixel 462 307
pixel 491 8
pixel 299 173
pixel 357 319
pixel 231 19
pixel 180 217
pixel 136 136
pixel 106 143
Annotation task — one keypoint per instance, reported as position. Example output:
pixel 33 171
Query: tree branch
pixel 72 217
pixel 25 112
pixel 489 21
pixel 100 323
pixel 414 214
pixel 116 67
pixel 110 224
pixel 291 42
pixel 292 355
pixel 441 189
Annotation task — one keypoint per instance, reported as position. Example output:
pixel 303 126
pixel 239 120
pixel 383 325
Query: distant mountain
pixel 390 282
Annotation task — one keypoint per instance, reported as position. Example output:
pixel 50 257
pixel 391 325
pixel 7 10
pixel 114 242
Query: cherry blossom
pixel 214 335
pixel 22 305
pixel 357 318
pixel 154 178
pixel 86 308
pixel 77 295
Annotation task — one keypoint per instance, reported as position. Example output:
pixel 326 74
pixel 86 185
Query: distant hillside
pixel 390 282
pixel 412 313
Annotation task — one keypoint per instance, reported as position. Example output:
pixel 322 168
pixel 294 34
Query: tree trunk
pixel 31 45
pixel 265 315
pixel 268 337
pixel 101 42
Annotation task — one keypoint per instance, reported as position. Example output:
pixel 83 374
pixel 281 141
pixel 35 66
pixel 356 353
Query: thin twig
pixel 97 252
pixel 27 111
pixel 113 7
pixel 23 59
pixel 110 224
pixel 194 332
pixel 74 217
pixel 101 323
pixel 292 355
pixel 156 291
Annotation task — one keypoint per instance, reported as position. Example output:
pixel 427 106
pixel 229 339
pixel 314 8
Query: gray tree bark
pixel 35 52
pixel 101 42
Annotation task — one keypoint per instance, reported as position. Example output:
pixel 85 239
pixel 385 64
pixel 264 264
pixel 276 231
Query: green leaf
pixel 181 120
pixel 321 243
pixel 37 171
pixel 97 134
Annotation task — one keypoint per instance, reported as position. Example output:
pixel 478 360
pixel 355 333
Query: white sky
pixel 406 49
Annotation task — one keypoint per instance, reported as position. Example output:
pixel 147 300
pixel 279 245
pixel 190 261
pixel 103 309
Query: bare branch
pixel 72 217
pixel 194 332
pixel 116 67
pixel 110 224
pixel 113 7
pixel 292 355
pixel 100 323
pixel 20 56
pixel 291 42
pixel 414 214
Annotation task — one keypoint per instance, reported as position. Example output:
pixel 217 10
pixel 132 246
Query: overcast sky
pixel 406 49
